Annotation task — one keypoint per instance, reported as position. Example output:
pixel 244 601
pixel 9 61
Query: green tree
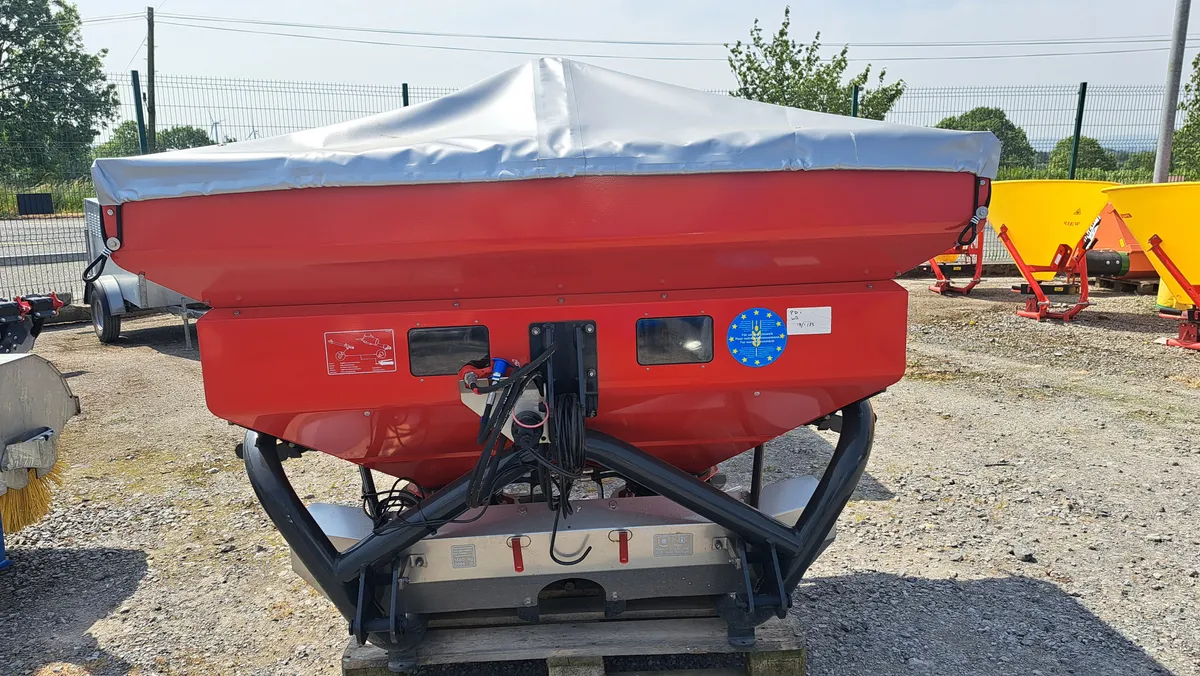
pixel 1185 148
pixel 1139 161
pixel 1092 155
pixel 53 95
pixel 122 143
pixel 1015 150
pixel 124 140
pixel 180 138
pixel 787 73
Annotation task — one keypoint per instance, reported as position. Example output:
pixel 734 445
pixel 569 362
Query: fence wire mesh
pixel 41 252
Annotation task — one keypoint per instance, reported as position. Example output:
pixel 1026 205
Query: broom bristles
pixel 21 507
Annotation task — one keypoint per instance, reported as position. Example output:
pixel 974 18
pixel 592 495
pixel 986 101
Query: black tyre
pixel 106 326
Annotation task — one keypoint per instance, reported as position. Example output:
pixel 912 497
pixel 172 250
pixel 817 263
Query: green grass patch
pixel 68 196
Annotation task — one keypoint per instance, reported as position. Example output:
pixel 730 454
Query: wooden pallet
pixel 1141 287
pixel 579 648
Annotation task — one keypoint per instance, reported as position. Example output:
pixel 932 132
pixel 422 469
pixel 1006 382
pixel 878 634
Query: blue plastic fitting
pixel 4 562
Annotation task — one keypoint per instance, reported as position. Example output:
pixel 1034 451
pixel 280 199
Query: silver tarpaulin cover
pixel 549 118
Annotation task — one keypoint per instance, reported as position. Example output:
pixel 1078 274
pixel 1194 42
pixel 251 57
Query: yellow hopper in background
pixel 1162 216
pixel 1165 299
pixel 1048 227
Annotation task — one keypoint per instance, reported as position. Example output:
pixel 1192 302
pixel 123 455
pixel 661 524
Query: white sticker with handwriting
pixel 809 320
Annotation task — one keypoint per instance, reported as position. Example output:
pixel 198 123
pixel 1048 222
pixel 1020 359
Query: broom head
pixel 21 507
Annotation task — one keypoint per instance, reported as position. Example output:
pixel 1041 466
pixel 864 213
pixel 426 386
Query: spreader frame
pixel 944 285
pixel 357 579
pixel 1189 320
pixel 1069 261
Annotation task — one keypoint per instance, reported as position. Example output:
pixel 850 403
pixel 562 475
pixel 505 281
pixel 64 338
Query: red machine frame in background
pixel 944 285
pixel 1069 261
pixel 1189 320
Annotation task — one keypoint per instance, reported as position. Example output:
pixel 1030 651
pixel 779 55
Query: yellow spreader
pixel 1048 227
pixel 1162 216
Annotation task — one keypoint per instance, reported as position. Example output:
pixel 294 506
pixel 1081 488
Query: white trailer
pixel 117 292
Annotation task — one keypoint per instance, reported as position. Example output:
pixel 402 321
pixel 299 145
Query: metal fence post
pixel 404 94
pixel 137 107
pixel 1078 129
pixel 854 102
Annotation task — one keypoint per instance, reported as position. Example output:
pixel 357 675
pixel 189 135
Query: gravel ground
pixel 1030 507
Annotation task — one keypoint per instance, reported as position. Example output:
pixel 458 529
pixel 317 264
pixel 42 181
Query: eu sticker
pixel 756 337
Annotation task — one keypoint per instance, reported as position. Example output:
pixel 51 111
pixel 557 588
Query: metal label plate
pixel 462 556
pixel 672 544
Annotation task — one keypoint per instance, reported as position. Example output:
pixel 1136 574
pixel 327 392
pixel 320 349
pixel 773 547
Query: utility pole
pixel 1166 130
pixel 150 78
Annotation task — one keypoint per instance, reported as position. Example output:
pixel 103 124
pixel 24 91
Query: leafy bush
pixel 1125 176
pixel 1015 150
pixel 1091 155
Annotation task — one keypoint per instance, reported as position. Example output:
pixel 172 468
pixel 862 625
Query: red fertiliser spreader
pixel 550 305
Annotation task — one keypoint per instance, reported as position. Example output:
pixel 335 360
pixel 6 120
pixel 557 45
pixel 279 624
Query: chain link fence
pixel 42 188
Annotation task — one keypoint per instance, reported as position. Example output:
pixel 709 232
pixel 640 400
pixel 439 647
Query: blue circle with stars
pixel 756 337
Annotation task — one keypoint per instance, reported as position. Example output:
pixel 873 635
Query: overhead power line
pixel 93 21
pixel 668 43
pixel 331 38
pixel 111 18
pixel 390 31
pixel 145 37
pixel 976 57
pixel 946 57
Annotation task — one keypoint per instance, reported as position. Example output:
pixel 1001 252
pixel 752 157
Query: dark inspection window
pixel 674 340
pixel 444 350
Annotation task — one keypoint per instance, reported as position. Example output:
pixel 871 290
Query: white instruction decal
pixel 360 352
pixel 808 320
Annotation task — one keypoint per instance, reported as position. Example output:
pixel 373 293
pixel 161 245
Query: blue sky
pixel 184 50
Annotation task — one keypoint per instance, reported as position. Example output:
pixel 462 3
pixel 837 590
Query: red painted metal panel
pixel 267 369
pixel 541 237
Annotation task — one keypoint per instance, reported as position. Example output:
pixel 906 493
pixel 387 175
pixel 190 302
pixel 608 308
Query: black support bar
pixel 336 573
pixel 413 525
pixel 833 492
pixel 293 520
pixel 702 498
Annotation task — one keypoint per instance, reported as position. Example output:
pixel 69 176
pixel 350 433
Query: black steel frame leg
pixel 796 547
pixel 756 475
pixel 338 574
pixel 837 484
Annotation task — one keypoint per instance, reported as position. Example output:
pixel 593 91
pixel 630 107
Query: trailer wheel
pixel 104 323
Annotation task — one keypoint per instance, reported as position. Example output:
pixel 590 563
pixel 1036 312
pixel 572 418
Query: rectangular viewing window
pixel 674 340
pixel 443 351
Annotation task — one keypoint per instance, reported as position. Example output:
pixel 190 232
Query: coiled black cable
pixel 96 268
pixel 567 461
